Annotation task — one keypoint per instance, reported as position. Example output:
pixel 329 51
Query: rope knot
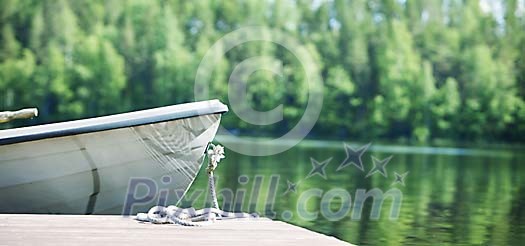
pixel 215 154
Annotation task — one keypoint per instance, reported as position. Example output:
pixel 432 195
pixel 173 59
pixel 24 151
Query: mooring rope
pixel 215 154
pixel 189 216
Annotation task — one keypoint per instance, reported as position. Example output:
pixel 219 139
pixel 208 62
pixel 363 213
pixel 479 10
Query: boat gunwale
pixel 111 122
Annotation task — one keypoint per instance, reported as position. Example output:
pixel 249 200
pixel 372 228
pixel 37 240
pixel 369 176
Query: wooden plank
pixel 30 229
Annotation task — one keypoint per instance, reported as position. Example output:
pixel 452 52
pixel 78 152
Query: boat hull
pixel 92 172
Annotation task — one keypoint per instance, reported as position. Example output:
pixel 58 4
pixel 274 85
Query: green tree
pixel 418 70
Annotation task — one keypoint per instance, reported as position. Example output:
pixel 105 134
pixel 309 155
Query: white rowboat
pixel 85 166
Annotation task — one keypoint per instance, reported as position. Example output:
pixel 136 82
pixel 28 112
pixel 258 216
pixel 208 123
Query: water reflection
pixel 456 196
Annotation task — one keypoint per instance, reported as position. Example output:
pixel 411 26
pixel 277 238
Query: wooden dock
pixel 31 229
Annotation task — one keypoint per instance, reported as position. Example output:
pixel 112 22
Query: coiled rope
pixel 189 216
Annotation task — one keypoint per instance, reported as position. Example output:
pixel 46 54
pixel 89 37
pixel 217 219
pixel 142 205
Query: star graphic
pixel 292 187
pixel 379 166
pixel 318 168
pixel 353 157
pixel 400 178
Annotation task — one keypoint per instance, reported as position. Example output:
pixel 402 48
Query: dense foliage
pixel 419 70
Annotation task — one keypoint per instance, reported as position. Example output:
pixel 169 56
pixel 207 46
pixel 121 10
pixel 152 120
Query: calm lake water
pixel 450 196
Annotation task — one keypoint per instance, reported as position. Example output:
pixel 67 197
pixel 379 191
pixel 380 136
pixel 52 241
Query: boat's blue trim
pixel 104 123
